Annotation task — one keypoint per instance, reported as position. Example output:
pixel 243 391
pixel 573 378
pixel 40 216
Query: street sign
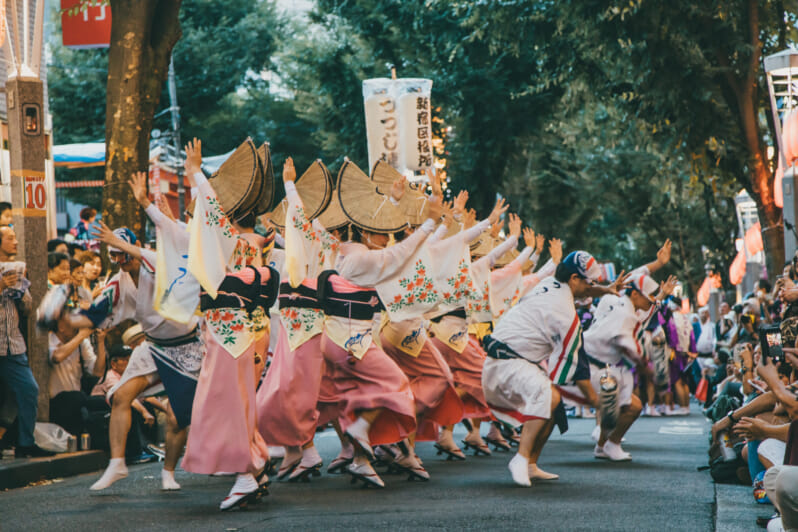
pixel 87 26
pixel 35 193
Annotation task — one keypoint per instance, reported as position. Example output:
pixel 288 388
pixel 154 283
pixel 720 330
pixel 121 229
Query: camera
pixel 770 338
pixel 747 319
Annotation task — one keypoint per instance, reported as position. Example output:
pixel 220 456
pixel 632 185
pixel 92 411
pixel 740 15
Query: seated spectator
pixel 71 354
pixel 57 269
pixel 6 219
pixel 56 245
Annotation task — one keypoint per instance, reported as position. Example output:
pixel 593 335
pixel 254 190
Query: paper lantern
pixel 382 121
pixel 778 193
pixel 702 297
pixel 415 114
pixel 753 239
pixel 789 136
pixel 737 268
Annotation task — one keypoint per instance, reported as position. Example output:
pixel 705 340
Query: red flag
pixel 753 239
pixel 737 268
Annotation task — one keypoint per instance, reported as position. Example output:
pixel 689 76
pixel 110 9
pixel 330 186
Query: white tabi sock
pixel 168 482
pixel 116 470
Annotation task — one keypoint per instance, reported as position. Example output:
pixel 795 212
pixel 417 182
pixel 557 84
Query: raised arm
pixel 663 257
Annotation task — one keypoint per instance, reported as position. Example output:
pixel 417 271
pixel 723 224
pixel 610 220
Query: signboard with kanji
pixel 86 23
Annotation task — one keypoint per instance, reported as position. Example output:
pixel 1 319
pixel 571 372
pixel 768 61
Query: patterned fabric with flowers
pixel 411 293
pixel 451 274
pixel 505 287
pixel 215 217
pixel 478 307
pixel 244 255
pixel 231 328
pixel 301 324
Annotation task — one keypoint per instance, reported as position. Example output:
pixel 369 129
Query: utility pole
pixel 27 150
pixel 175 110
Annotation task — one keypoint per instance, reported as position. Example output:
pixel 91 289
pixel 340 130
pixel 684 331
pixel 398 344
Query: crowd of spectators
pixel 84 365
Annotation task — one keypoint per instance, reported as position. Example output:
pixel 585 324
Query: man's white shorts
pixel 624 377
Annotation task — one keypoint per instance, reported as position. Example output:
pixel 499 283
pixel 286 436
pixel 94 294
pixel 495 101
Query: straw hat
pixel 483 245
pixel 315 188
pixel 413 203
pixel 266 196
pixel 367 204
pixel 333 216
pixel 234 181
pixel 507 258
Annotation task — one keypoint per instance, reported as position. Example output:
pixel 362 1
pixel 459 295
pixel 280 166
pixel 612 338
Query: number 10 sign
pixel 35 193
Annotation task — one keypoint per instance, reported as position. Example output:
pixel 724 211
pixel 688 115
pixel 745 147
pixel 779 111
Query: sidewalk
pixel 735 509
pixel 20 472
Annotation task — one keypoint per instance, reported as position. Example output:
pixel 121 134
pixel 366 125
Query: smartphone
pixel 737 352
pixel 770 338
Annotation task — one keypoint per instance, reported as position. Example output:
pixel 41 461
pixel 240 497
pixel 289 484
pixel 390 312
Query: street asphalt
pixel 659 490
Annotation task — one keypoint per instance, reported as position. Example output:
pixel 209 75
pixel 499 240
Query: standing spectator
pixel 6 219
pixel 705 340
pixel 81 229
pixel 76 277
pixel 725 327
pixel 15 371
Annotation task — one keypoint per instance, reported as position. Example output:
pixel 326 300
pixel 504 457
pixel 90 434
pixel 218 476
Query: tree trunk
pixel 143 33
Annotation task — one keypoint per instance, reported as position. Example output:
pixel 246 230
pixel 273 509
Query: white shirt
pixel 706 342
pixel 65 375
pixel 611 337
pixel 538 325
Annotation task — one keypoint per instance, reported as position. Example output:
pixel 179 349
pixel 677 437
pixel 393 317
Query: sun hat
pixel 413 203
pixel 235 179
pixel 368 204
pixel 266 196
pixel 315 188
pixel 132 333
pixel 333 217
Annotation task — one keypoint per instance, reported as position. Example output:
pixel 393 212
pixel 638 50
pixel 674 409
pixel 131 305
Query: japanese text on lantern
pixel 423 129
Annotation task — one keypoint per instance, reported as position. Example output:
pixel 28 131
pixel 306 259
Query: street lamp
pixel 782 74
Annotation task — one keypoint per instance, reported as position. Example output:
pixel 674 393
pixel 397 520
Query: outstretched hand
pixel 620 283
pixel 469 219
pixel 555 249
pixel 529 237
pixel 666 287
pixel 540 242
pixel 398 190
pixel 515 225
pixel 460 202
pixel 664 253
pixel 495 215
pixel 138 184
pixel 289 172
pixel 435 204
pixel 193 162
pixel 103 233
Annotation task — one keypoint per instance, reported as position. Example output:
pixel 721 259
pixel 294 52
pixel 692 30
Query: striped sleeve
pixel 103 305
pixel 563 367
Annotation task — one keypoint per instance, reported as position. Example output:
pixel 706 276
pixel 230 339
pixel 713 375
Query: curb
pixel 18 473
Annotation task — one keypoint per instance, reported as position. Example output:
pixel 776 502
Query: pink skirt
pixel 431 381
pixel 467 371
pixel 224 435
pixel 375 381
pixel 287 398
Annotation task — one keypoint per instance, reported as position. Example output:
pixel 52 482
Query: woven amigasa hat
pixel 234 181
pixel 413 203
pixel 367 204
pixel 333 216
pixel 482 245
pixel 266 196
pixel 507 258
pixel 315 188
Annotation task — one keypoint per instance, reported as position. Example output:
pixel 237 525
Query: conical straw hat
pixel 238 175
pixel 483 245
pixel 315 188
pixel 367 204
pixel 266 196
pixel 413 203
pixel 507 258
pixel 333 216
